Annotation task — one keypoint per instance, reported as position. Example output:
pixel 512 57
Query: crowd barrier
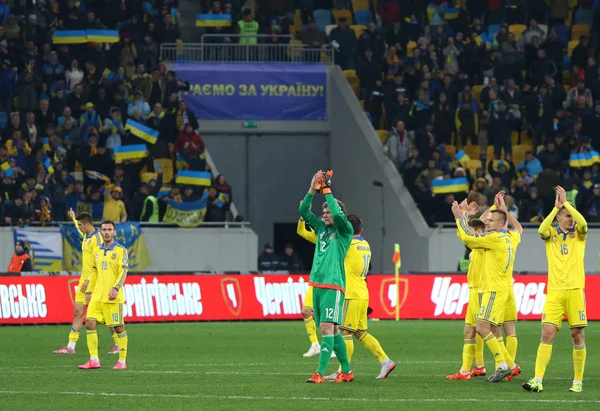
pixel 183 297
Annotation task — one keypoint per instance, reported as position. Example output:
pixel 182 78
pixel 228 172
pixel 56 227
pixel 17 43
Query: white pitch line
pixel 272 398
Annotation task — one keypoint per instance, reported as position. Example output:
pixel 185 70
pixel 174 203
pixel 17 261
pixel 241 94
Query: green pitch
pixel 259 366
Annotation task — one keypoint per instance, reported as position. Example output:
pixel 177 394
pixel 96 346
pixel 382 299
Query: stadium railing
pixel 224 224
pixel 221 48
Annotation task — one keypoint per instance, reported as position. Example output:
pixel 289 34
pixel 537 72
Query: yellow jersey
pixel 565 252
pixel 303 232
pixel 498 254
pixel 109 271
pixel 475 268
pixel 89 243
pixel 356 266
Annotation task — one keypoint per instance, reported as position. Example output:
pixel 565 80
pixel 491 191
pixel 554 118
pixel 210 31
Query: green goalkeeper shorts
pixel 327 305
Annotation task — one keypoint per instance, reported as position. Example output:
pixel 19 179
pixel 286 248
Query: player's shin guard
pixel 468 355
pixel 92 343
pixel 579 354
pixel 544 354
pixel 340 351
pixel 326 350
pixel 349 340
pixel 311 329
pixel 371 344
pixel 479 351
pixel 494 346
pixel 123 340
pixel 511 346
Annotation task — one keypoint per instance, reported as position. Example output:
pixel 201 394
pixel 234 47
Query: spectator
pixel 398 144
pixel 532 164
pixel 114 207
pixel 369 72
pixel 500 128
pixel 467 123
pixel 20 261
pixel 550 158
pixel 580 53
pixel 268 260
pixel 532 207
pixel 217 206
pixel 191 147
pixel 343 41
pixel 593 205
pixel 290 261
pixel 371 39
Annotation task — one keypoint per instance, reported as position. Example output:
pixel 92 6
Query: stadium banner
pixel 168 297
pixel 44 248
pixel 129 235
pixel 255 91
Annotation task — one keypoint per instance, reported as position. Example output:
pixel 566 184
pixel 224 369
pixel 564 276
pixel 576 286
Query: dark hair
pixel 477 224
pixel 342 206
pixel 502 214
pixel 85 218
pixel 111 222
pixel 356 222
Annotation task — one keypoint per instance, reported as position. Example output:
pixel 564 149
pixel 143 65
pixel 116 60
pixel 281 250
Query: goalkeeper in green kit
pixel 327 277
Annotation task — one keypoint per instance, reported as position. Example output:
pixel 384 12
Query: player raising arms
pixel 91 240
pixel 106 288
pixel 327 276
pixel 499 253
pixel 565 250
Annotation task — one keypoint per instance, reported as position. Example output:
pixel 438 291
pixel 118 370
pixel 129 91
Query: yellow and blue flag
pixel 102 36
pixel 181 164
pixel 94 175
pixel 578 160
pixel 213 20
pixel 223 198
pixel 164 191
pixel 144 132
pixel 594 157
pixel 46 142
pixel 48 166
pixel 45 248
pixel 194 178
pixel 69 37
pixel 452 185
pixel 462 158
pixel 6 169
pixel 451 13
pixel 186 214
pixel 130 152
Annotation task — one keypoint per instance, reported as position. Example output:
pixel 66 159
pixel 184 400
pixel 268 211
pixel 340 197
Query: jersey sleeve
pixel 309 217
pixel 472 240
pixel 544 229
pixel 306 234
pixel 87 257
pixel 122 269
pixel 93 276
pixel 77 228
pixel 339 219
pixel 581 223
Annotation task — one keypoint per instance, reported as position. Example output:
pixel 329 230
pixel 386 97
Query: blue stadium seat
pixel 583 16
pixel 322 18
pixel 566 63
pixel 148 8
pixel 363 17
pixel 3 119
pixel 493 29
pixel 563 32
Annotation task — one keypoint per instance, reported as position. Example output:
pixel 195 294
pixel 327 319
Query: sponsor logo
pixel 232 294
pixel 280 297
pixel 72 285
pixel 389 294
pixel 19 301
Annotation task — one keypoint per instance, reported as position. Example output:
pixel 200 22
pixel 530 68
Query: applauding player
pixel 565 250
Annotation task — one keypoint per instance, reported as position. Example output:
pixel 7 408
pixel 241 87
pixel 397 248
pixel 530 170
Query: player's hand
pixel 558 203
pixel 464 205
pixel 472 208
pixel 562 194
pixel 326 182
pixel 315 184
pixel 88 297
pixel 84 286
pixel 456 210
pixel 502 204
pixel 71 214
pixel 112 295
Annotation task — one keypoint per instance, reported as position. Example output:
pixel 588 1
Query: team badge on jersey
pixel 113 256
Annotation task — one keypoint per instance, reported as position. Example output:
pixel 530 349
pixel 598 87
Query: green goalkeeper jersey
pixel 332 244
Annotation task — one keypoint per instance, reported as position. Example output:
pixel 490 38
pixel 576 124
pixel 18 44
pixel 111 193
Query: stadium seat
pixel 473 151
pixel 583 16
pixel 360 5
pixel 322 18
pixel 363 17
pixel 493 29
pixel 490 152
pixel 358 29
pixel 329 27
pixel 295 54
pixel 350 74
pixel 337 14
pixel 579 30
pixel 476 90
pixel 450 150
pixel 517 29
pixel 473 165
pixel 3 119
pixel 572 45
pixel 410 48
pixel 563 32
pixel 521 149
pixel 514 138
pixel 382 134
pixel 167 167
pixel 146 177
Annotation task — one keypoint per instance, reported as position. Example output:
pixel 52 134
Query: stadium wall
pixel 177 249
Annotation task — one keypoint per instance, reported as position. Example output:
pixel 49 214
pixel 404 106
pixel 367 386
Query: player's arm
pixel 93 279
pixel 544 228
pixel 305 206
pixel 514 223
pixel 338 216
pixel 87 254
pixel 122 270
pixel 582 227
pixel 71 215
pixel 304 233
pixel 467 236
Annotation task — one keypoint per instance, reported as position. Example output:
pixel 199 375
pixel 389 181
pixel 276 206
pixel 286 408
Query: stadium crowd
pixel 64 110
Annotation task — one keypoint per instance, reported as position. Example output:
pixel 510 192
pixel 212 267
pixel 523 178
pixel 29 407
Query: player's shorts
pixel 510 312
pixel 327 305
pixel 493 304
pixel 308 297
pixel 109 314
pixel 569 302
pixel 473 307
pixel 80 298
pixel 354 315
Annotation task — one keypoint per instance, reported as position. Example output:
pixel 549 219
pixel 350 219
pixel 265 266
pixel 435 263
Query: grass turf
pixel 259 365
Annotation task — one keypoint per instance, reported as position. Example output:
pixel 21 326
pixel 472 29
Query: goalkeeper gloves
pixel 326 182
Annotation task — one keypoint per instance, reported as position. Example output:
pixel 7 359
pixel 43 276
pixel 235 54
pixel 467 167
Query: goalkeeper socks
pixel 468 355
pixel 494 346
pixel 115 337
pixel 339 348
pixel 349 340
pixel 371 344
pixel 311 330
pixel 479 351
pixel 325 355
pixel 511 346
pixel 579 354
pixel 123 340
pixel 544 354
pixel 73 338
pixel 92 343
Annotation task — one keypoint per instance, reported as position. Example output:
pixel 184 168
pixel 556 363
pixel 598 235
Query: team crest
pixel 554 239
pixel 113 256
pixel 332 236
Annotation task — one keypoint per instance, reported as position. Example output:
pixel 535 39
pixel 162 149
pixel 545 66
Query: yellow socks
pixel 479 351
pixel 494 346
pixel 311 330
pixel 115 337
pixel 373 346
pixel 511 346
pixel 579 354
pixel 73 336
pixel 92 343
pixel 468 355
pixel 543 358
pixel 123 340
pixel 348 339
pixel 507 358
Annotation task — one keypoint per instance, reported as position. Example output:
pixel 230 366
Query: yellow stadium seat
pixel 329 27
pixel 410 48
pixel 490 151
pixel 358 29
pixel 360 5
pixel 167 168
pixel 473 151
pixel 517 29
pixel 476 90
pixel 571 46
pixel 146 177
pixel 473 165
pixel 450 150
pixel 382 134
pixel 514 138
pixel 350 74
pixel 293 31
pixel 337 14
pixel 579 30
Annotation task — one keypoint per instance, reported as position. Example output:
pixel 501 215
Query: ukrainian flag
pixel 131 152
pixel 223 198
pixel 578 160
pixel 94 175
pixel 594 157
pixel 6 169
pixel 452 185
pixel 102 36
pixel 46 144
pixel 164 191
pixel 48 166
pixel 462 158
pixel 145 133
pixel 69 37
pixel 194 178
pixel 181 164
pixel 213 20
pixel 451 13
